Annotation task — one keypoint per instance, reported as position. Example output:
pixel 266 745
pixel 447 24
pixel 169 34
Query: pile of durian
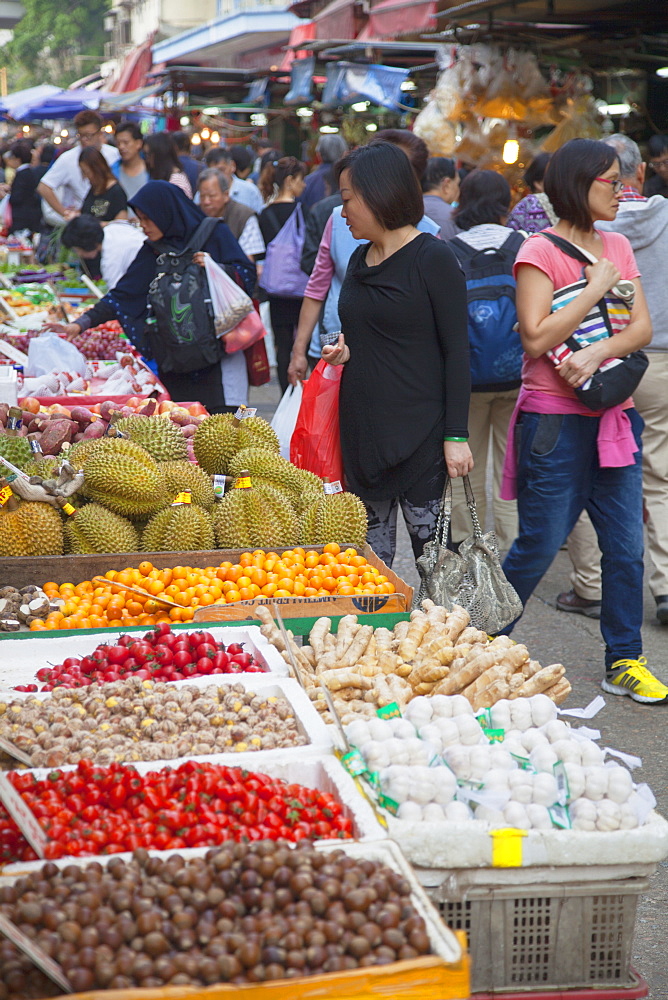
pixel 132 494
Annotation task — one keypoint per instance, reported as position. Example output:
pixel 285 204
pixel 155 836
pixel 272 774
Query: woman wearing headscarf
pixel 170 219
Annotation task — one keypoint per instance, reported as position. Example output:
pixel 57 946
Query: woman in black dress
pixel 106 200
pixel 284 179
pixel 406 384
pixel 26 204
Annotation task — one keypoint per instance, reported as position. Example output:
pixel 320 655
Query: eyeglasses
pixel 658 164
pixel 616 185
pixel 88 135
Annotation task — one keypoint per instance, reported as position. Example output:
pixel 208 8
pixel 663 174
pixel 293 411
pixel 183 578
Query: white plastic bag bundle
pixel 285 417
pixel 229 302
pixel 50 353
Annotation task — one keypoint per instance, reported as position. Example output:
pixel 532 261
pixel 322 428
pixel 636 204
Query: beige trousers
pixel 651 401
pixel 489 416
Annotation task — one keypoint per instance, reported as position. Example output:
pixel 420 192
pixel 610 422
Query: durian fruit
pixel 46 467
pixel 95 529
pixel 30 529
pixel 124 478
pixel 16 450
pixel 185 527
pixel 334 517
pixel 268 468
pixel 79 452
pixel 161 438
pixel 187 476
pixel 219 437
pixel 259 516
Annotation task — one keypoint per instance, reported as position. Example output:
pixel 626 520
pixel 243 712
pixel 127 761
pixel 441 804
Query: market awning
pixel 20 98
pixel 135 66
pixel 63 104
pixel 394 18
pixel 337 20
pixel 304 32
pixel 130 99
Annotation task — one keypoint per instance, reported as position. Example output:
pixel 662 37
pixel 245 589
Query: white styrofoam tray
pixel 446 845
pixel 324 773
pixel 309 720
pixel 22 658
pixel 442 940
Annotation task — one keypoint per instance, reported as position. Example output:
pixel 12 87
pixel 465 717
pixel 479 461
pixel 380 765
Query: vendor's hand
pixel 71 213
pixel 603 275
pixel 199 258
pixel 582 364
pixel 297 368
pixel 62 328
pixel 336 354
pixel 458 458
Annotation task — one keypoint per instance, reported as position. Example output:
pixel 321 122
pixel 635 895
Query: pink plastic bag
pixel 315 443
pixel 244 334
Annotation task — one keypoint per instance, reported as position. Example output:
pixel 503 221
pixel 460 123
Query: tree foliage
pixel 52 41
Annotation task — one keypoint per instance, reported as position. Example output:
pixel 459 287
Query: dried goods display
pixel 436 652
pixel 133 720
pixel 106 810
pixel 159 655
pixel 196 922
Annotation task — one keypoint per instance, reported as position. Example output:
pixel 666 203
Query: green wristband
pixel 464 440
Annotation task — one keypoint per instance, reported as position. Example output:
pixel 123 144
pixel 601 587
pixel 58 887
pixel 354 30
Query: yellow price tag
pixel 184 497
pixel 507 847
pixel 243 483
pixel 6 493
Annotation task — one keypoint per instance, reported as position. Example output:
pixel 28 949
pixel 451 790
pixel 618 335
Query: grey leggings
pixel 420 514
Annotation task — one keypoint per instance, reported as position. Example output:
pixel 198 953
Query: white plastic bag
pixel 285 417
pixel 51 353
pixel 230 303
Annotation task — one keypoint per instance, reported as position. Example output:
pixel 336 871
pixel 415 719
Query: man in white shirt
pixel 243 191
pixel 117 244
pixel 63 186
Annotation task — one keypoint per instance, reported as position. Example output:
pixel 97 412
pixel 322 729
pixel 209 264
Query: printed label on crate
pixel 36 955
pixel 6 493
pixel 354 762
pixel 560 817
pixel 564 792
pixel 389 804
pixel 244 412
pixel 184 497
pixel 391 711
pixel 13 751
pixel 334 487
pixel 219 486
pixel 23 816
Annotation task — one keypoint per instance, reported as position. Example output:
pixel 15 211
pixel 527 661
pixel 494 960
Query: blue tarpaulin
pixel 350 82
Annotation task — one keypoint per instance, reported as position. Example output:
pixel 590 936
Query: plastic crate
pixel 636 990
pixel 542 934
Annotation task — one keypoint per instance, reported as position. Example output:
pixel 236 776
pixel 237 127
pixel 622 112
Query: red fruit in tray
pixel 234 648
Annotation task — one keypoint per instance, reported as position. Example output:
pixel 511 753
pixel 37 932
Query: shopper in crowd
pixel 261 147
pixel 563 457
pixel 24 201
pixel 244 191
pixel 115 245
pixel 534 212
pixel 243 162
pixel 320 183
pixel 658 162
pixel 162 161
pixel 645 224
pixel 440 185
pixel 190 166
pixel 167 215
pixel 64 186
pixel 214 199
pixel 42 158
pixel 106 199
pixel 484 202
pixel 286 178
pixel 130 170
pixel 404 394
pixel 316 221
pixel 318 325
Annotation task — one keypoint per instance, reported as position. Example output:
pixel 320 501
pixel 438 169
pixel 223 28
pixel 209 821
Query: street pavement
pixel 556 637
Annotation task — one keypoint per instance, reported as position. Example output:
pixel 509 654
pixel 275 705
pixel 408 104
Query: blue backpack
pixel 496 349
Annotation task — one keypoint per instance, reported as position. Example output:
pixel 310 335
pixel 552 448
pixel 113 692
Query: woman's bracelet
pixel 463 440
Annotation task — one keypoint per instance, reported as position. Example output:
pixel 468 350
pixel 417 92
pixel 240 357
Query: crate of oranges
pixel 220 585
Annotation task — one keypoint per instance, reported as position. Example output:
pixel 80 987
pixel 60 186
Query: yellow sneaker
pixel 632 678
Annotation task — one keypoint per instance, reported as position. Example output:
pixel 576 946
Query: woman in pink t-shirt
pixel 564 458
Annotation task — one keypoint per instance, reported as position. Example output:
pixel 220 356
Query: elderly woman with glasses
pixel 564 458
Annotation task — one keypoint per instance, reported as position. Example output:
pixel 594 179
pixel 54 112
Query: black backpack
pixel 180 329
pixel 495 346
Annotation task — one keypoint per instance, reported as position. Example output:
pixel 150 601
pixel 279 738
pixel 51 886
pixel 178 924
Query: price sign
pixel 23 816
pixel 14 752
pixel 35 954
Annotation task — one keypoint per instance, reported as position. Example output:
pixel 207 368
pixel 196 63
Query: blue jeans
pixel 558 476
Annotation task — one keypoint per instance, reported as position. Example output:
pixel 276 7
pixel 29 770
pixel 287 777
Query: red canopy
pixel 393 18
